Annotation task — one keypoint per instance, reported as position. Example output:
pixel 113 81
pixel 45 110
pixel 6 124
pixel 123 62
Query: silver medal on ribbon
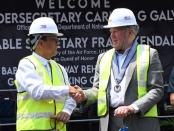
pixel 117 88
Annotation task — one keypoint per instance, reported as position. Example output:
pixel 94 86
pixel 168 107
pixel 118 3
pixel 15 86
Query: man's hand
pixel 80 95
pixel 72 90
pixel 62 117
pixel 172 98
pixel 123 111
pixel 77 94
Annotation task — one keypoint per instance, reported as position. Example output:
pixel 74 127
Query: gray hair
pixel 135 29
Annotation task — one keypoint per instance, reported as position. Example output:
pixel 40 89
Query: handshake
pixel 77 93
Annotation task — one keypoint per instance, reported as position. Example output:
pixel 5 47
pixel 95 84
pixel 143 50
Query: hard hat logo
pixel 121 17
pixel 127 17
pixel 43 26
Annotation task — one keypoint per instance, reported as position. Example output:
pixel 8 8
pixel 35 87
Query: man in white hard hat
pixel 128 79
pixel 43 101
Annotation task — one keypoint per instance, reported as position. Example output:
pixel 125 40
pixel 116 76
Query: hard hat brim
pixel 56 34
pixel 59 34
pixel 112 26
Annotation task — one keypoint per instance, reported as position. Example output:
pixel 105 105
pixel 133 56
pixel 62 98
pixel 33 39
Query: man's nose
pixel 112 34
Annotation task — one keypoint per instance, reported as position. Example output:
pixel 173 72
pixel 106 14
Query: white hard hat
pixel 44 25
pixel 121 17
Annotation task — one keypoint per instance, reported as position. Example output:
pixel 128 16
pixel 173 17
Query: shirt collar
pixel 125 53
pixel 42 59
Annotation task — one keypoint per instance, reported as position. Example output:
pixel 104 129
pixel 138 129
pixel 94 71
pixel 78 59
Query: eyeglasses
pixel 118 29
pixel 55 39
pixel 50 38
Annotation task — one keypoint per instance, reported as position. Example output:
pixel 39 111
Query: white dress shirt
pixel 29 81
pixel 117 98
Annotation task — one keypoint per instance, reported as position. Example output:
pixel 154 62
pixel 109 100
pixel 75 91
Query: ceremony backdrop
pixel 84 38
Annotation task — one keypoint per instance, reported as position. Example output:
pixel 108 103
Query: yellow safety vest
pixel 35 114
pixel 142 56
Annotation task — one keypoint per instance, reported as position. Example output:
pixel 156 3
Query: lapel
pixel 130 71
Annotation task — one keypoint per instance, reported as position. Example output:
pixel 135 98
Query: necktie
pixel 48 68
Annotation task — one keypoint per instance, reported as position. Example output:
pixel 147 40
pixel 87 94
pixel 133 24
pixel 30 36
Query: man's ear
pixel 40 42
pixel 130 31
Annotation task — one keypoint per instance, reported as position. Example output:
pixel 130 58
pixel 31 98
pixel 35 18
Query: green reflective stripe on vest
pixel 143 54
pixel 142 68
pixel 56 71
pixel 33 114
pixel 105 69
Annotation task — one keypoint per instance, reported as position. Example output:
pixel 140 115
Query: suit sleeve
pixel 92 92
pixel 154 84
